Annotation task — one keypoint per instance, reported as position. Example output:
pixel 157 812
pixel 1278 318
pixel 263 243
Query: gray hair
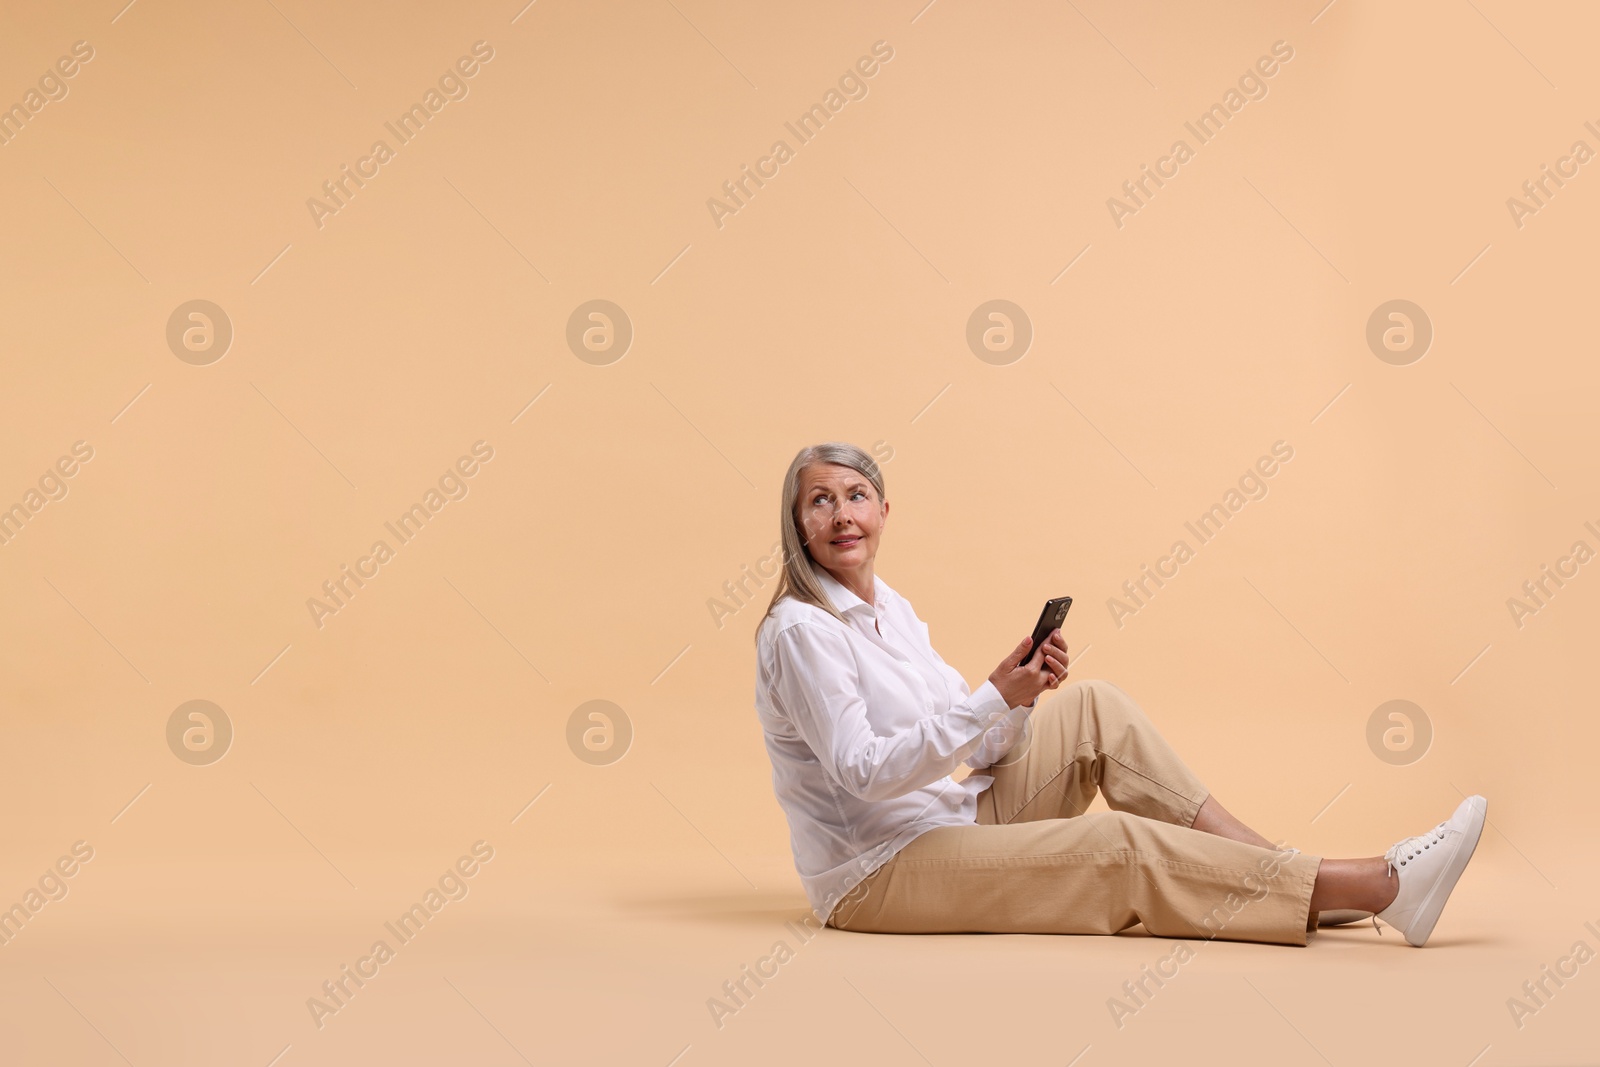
pixel 799 576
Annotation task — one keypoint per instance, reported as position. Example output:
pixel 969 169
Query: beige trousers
pixel 1036 863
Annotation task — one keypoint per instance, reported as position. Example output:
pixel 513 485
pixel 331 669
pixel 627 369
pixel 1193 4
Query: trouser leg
pixel 1086 736
pixel 1094 874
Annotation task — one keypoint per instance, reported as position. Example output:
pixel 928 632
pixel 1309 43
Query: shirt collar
pixel 844 600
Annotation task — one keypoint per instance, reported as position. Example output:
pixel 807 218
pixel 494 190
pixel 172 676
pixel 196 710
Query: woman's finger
pixel 1058 668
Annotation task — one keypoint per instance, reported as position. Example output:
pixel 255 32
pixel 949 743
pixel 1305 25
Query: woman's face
pixel 841 517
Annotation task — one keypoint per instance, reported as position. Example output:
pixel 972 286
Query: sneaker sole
pixel 1341 917
pixel 1427 914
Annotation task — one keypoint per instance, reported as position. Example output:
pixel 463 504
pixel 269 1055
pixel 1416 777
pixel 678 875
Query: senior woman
pixel 864 723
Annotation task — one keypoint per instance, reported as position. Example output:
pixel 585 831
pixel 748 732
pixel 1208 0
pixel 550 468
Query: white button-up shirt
pixel 864 722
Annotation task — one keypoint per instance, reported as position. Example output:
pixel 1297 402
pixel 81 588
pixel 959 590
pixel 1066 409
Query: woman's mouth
pixel 846 542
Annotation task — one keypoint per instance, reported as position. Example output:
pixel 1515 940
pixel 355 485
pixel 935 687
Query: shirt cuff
pixel 986 700
pixel 1002 725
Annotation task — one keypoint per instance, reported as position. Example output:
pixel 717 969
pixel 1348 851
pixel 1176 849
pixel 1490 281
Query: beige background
pixel 368 354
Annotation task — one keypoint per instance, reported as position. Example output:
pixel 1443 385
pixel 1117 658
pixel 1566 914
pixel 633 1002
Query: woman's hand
pixel 1021 685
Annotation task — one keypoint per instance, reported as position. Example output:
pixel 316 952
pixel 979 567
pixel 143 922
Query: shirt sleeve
pixel 1003 731
pixel 818 682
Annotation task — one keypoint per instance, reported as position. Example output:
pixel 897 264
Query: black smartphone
pixel 1052 615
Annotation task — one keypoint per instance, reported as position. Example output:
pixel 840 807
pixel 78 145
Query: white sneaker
pixel 1341 917
pixel 1428 866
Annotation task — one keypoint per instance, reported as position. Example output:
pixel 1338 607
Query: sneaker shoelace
pixel 1403 852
